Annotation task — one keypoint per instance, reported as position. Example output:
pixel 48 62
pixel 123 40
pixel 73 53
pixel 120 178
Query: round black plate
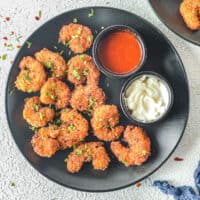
pixel 168 12
pixel 162 58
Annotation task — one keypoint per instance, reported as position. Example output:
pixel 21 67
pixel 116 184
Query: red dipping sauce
pixel 120 52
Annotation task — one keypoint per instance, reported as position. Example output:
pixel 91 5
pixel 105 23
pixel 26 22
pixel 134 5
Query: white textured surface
pixel 29 184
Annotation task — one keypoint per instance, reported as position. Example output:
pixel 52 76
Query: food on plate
pixel 87 98
pixel 78 37
pixel 36 114
pixel 32 75
pixel 139 147
pixel 73 130
pixel 44 141
pixel 147 98
pixel 190 11
pixel 53 61
pixel 93 152
pixel 81 68
pixel 55 92
pixel 120 52
pixel 104 123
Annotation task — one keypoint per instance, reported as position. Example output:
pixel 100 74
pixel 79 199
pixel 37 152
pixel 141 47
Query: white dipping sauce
pixel 147 98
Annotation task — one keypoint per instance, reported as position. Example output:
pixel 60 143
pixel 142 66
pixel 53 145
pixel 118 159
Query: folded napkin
pixel 183 192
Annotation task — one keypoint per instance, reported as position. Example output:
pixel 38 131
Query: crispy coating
pixel 81 68
pixel 55 92
pixel 87 98
pixel 52 61
pixel 32 75
pixel 44 141
pixel 73 130
pixel 78 37
pixel 93 152
pixel 35 114
pixel 138 150
pixel 190 11
pixel 104 123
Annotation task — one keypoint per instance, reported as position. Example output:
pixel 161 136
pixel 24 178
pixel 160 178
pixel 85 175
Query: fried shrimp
pixel 78 37
pixel 138 150
pixel 104 123
pixel 35 114
pixel 81 68
pixel 32 75
pixel 54 62
pixel 55 92
pixel 73 130
pixel 93 152
pixel 190 11
pixel 87 98
pixel 44 141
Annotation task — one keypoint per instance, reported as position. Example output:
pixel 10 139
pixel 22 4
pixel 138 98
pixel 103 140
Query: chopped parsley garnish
pixel 33 128
pixel 61 52
pixel 91 14
pixel 65 160
pixel 82 57
pixel 39 13
pixel 12 184
pixel 36 107
pixel 85 72
pixel 26 77
pixel 49 65
pixel 3 57
pixel 30 91
pixel 53 86
pixel 124 162
pixel 91 104
pixel 78 152
pixel 18 38
pixel 58 122
pixel 69 53
pixel 75 20
pixel 76 74
pixel 29 44
pixel 53 97
pixel 71 127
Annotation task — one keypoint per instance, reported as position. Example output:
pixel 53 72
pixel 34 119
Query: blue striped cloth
pixel 183 192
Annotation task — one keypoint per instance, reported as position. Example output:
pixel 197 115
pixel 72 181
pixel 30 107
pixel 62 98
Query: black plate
pixel 168 12
pixel 162 58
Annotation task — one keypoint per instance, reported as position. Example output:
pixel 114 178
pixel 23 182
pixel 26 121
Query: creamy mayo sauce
pixel 147 98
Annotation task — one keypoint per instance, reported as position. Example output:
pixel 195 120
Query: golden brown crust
pixel 190 11
pixel 138 150
pixel 35 114
pixel 55 92
pixel 93 152
pixel 104 123
pixel 53 61
pixel 44 142
pixel 79 37
pixel 32 75
pixel 81 69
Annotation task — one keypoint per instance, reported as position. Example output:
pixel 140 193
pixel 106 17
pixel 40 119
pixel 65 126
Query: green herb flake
pixel 91 14
pixel 65 160
pixel 3 57
pixel 12 184
pixel 75 20
pixel 71 127
pixel 61 52
pixel 55 47
pixel 49 65
pixel 26 77
pixel 124 162
pixel 53 86
pixel 12 90
pixel 39 13
pixel 18 38
pixel 33 128
pixel 29 44
pixel 53 97
pixel 85 72
pixel 76 74
pixel 74 147
pixel 36 107
pixel 30 91
pixel 78 152
pixel 69 53
pixel 58 122
pixel 82 57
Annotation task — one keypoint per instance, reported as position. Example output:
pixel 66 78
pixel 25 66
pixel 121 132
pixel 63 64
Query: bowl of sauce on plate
pixel 146 98
pixel 119 51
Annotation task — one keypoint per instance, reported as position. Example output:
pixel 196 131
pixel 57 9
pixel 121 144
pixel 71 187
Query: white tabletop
pixel 29 184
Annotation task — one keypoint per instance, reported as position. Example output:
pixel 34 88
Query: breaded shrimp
pixel 81 68
pixel 190 11
pixel 32 75
pixel 87 98
pixel 93 152
pixel 44 141
pixel 104 123
pixel 35 114
pixel 138 150
pixel 55 92
pixel 73 130
pixel 79 37
pixel 52 61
